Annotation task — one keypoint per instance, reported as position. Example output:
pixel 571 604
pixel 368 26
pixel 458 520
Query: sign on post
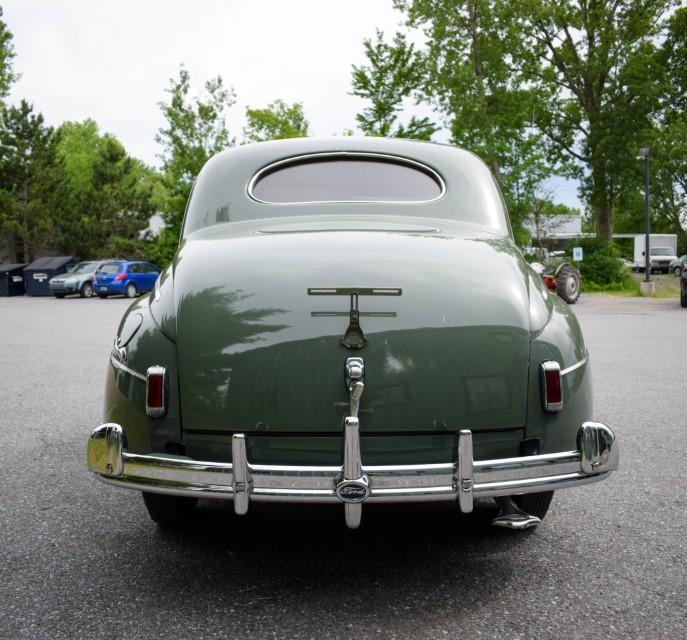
pixel 577 254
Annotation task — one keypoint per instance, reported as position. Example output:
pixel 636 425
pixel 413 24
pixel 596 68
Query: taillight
pixel 120 276
pixel 552 388
pixel 156 392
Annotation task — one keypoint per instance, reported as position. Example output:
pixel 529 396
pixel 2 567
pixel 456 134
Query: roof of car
pixel 253 157
pixel 223 183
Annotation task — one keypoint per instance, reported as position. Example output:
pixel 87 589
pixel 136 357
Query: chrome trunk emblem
pixel 354 338
pixel 353 491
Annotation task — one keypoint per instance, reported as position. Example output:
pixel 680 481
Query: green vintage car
pixel 349 321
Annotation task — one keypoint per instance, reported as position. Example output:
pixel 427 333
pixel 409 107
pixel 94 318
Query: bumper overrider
pixel 353 483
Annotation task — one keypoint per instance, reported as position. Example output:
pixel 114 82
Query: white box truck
pixel 662 251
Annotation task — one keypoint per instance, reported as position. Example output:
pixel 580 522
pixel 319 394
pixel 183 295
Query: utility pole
pixel 647 287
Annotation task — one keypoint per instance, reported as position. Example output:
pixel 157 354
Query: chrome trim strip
pixel 347 154
pixel 575 366
pixel 118 365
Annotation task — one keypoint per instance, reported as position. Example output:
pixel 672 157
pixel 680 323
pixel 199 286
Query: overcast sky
pixel 112 61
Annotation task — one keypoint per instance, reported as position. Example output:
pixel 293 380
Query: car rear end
pixel 328 350
pixel 110 279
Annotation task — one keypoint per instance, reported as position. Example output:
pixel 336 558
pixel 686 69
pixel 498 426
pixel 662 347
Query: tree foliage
pixel 596 64
pixel 29 181
pixel 275 122
pixel 465 73
pixel 394 72
pixel 108 194
pixel 195 130
pixel 579 81
pixel 7 76
pixel 668 141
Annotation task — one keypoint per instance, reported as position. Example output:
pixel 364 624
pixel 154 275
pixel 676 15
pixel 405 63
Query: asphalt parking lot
pixel 82 560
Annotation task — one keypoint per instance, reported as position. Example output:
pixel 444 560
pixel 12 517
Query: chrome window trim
pixel 575 366
pixel 122 367
pixel 347 154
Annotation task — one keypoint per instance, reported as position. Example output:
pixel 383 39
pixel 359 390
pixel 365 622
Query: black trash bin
pixel 37 274
pixel 12 279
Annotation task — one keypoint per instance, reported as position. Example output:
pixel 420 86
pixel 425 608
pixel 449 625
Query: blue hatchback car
pixel 125 278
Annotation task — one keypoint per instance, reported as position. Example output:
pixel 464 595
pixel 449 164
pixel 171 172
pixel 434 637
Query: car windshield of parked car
pixel 662 251
pixel 112 267
pixel 85 267
pixel 346 180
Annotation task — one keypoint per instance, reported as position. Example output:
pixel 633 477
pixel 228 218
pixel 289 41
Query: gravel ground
pixel 82 560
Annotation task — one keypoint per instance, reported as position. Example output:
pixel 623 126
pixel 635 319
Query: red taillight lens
pixel 120 276
pixel 550 282
pixel 156 389
pixel 552 389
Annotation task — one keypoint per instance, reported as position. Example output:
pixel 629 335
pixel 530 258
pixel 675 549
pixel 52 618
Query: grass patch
pixel 627 286
pixel 667 285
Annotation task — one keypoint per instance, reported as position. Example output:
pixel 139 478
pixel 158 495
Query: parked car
pixel 125 278
pixel 349 321
pixel 676 266
pixel 78 280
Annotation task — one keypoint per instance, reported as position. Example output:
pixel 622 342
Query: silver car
pixel 78 280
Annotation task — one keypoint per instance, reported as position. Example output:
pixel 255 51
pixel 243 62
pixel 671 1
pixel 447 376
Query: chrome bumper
pixel 353 483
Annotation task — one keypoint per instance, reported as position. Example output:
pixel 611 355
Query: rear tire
pixel 568 283
pixel 536 504
pixel 86 290
pixel 677 271
pixel 130 291
pixel 168 510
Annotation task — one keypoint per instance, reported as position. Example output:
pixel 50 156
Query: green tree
pixel 195 130
pixel 7 76
pixel 465 73
pixel 30 185
pixel 595 63
pixel 108 195
pixel 394 72
pixel 275 122
pixel 581 77
pixel 669 142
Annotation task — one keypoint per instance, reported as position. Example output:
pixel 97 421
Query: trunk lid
pixel 258 352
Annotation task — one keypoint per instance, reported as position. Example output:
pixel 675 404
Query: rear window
pixel 346 179
pixel 111 267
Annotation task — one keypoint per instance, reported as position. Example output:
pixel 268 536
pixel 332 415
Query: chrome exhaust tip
pixel 512 517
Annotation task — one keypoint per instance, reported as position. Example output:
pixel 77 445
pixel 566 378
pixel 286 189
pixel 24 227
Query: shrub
pixel 602 269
